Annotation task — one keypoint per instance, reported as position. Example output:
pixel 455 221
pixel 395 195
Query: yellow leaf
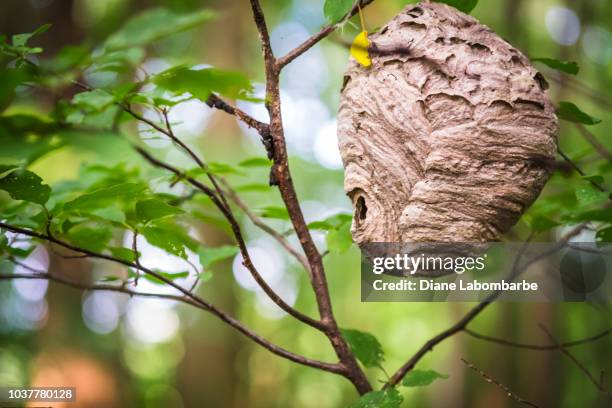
pixel 359 49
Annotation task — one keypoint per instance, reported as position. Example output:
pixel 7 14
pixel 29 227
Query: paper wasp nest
pixel 448 136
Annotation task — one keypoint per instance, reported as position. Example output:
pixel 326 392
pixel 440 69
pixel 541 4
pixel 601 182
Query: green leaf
pixel 21 40
pixel 419 378
pixel 93 101
pixel 125 254
pixel 570 112
pixel 542 223
pixel 9 80
pixel 271 211
pixel 152 209
pixel 103 197
pixel 389 398
pixel 211 255
pixel 364 346
pixel 170 237
pixel 587 194
pixel 168 275
pixel 111 213
pixel 255 162
pixel 254 187
pixel 332 222
pixel 602 215
pixel 155 24
pixel 202 82
pixel 91 238
pixel 339 240
pixel 334 10
pixel 24 185
pixel 223 168
pixel 569 67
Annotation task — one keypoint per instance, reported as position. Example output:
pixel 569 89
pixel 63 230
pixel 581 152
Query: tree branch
pixel 258 222
pixel 281 176
pixel 324 32
pixel 247 262
pixel 189 297
pixel 471 315
pixel 492 380
pixel 528 346
pixel 578 364
pixel 215 102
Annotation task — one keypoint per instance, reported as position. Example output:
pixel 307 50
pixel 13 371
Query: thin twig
pixel 324 32
pixel 188 297
pixel 578 364
pixel 492 380
pixel 258 222
pixel 529 346
pixel 471 315
pixel 248 263
pixel 579 170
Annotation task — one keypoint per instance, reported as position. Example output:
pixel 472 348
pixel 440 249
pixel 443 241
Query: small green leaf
pixel 24 185
pixel 253 187
pixel 334 10
pixel 168 275
pixel 202 82
pixel 255 162
pixel 223 168
pixel 587 194
pixel 570 112
pixel 340 240
pixel 602 215
pixel 111 213
pixel 103 197
pixel 462 5
pixel 152 209
pixel 21 40
pixel 91 238
pixel 155 24
pixel 332 222
pixel 419 378
pixel 170 237
pixel 271 211
pixel 124 254
pixel 569 67
pixel 541 223
pixel 93 101
pixel 389 398
pixel 364 346
pixel 211 255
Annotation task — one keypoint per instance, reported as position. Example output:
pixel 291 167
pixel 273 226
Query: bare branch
pixel 334 368
pixel 471 315
pixel 280 175
pixel 579 170
pixel 239 238
pixel 324 32
pixel 215 102
pixel 578 364
pixel 492 380
pixel 258 222
pixel 528 346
